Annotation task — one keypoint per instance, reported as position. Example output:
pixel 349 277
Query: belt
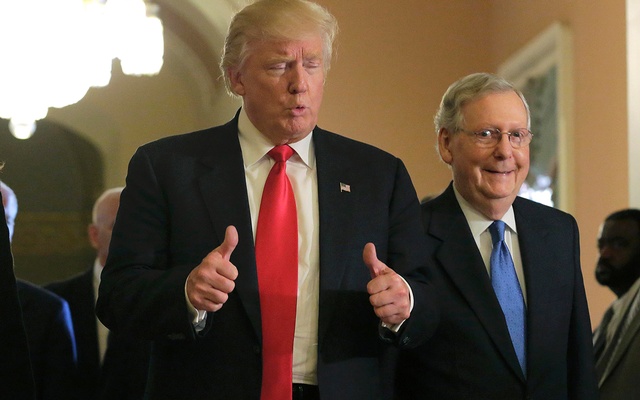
pixel 305 392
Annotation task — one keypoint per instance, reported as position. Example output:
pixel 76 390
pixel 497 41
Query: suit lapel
pixel 335 210
pixel 625 341
pixel 461 260
pixel 224 192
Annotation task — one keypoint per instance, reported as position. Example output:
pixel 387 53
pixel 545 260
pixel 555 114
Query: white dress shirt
pixel 301 170
pixel 103 331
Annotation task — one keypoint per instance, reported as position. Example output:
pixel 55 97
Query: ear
pixel 92 232
pixel 237 85
pixel 444 145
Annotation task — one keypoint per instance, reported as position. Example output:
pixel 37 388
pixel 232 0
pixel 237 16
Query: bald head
pixel 103 217
pixel 10 204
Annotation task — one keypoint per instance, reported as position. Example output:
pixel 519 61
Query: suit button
pixel 256 349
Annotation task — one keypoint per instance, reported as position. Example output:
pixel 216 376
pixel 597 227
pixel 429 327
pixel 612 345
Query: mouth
pixel 298 110
pixel 497 172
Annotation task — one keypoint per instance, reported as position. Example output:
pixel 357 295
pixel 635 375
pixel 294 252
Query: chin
pixel 503 194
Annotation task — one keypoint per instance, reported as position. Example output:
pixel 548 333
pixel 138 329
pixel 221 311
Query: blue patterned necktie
pixel 505 283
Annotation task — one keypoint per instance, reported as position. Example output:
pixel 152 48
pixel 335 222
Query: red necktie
pixel 277 264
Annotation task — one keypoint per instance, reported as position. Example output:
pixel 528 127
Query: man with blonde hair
pixel 263 257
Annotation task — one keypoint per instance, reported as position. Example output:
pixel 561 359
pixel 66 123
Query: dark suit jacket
pixel 470 356
pixel 78 292
pixel 123 373
pixel 181 194
pixel 620 377
pixel 16 377
pixel 52 347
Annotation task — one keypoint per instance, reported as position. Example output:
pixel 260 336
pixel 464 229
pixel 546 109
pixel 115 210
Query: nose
pixel 298 80
pixel 503 149
pixel 605 251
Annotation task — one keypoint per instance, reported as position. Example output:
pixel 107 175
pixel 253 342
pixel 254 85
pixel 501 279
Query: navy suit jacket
pixel 470 356
pixel 52 347
pixel 78 292
pixel 181 194
pixel 16 376
pixel 123 374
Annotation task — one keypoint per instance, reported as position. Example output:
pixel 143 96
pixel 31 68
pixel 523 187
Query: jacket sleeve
pixel 142 289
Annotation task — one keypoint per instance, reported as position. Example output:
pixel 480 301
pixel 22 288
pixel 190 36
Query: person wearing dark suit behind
pixel 110 366
pixel 47 321
pixel 52 350
pixel 16 376
pixel 617 338
pixel 183 269
pixel 483 135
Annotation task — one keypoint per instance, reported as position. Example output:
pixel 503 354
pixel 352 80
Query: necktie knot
pixel 497 231
pixel 281 153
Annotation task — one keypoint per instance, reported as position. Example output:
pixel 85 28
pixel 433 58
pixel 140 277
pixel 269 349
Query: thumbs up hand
pixel 209 284
pixel 388 292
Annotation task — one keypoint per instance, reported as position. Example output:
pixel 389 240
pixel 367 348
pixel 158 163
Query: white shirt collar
pixel 255 145
pixel 97 270
pixel 477 221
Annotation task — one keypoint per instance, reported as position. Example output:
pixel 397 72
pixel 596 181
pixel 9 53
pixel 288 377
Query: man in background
pixel 16 376
pixel 617 339
pixel 110 367
pixel 47 321
pixel 514 322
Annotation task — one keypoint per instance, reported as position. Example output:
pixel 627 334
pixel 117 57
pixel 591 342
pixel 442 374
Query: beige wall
pixel 395 59
pixel 600 108
pixel 393 65
pixel 395 62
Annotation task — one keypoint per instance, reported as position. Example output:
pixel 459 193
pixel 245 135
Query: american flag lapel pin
pixel 345 188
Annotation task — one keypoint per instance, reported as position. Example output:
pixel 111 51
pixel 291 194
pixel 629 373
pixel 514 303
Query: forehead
pixel 504 108
pixel 308 47
pixel 625 228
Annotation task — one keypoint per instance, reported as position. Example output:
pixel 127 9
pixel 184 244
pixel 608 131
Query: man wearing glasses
pixel 514 318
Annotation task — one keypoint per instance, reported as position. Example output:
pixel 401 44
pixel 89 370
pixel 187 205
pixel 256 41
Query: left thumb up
pixel 370 258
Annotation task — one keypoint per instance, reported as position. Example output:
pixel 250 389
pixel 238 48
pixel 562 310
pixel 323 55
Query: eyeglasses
pixel 491 137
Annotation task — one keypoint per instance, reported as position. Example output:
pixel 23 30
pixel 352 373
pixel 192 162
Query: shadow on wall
pixel 56 175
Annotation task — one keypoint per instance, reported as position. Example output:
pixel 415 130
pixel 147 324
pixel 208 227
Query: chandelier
pixel 53 51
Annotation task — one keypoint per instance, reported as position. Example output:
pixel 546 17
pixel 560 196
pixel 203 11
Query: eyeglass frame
pixel 528 136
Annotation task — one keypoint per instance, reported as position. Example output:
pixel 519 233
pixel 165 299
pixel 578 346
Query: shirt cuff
pixel 198 317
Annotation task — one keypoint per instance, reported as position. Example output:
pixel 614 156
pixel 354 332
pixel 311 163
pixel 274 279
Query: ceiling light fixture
pixel 55 50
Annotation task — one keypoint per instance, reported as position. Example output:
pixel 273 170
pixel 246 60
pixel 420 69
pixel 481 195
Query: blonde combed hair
pixel 276 20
